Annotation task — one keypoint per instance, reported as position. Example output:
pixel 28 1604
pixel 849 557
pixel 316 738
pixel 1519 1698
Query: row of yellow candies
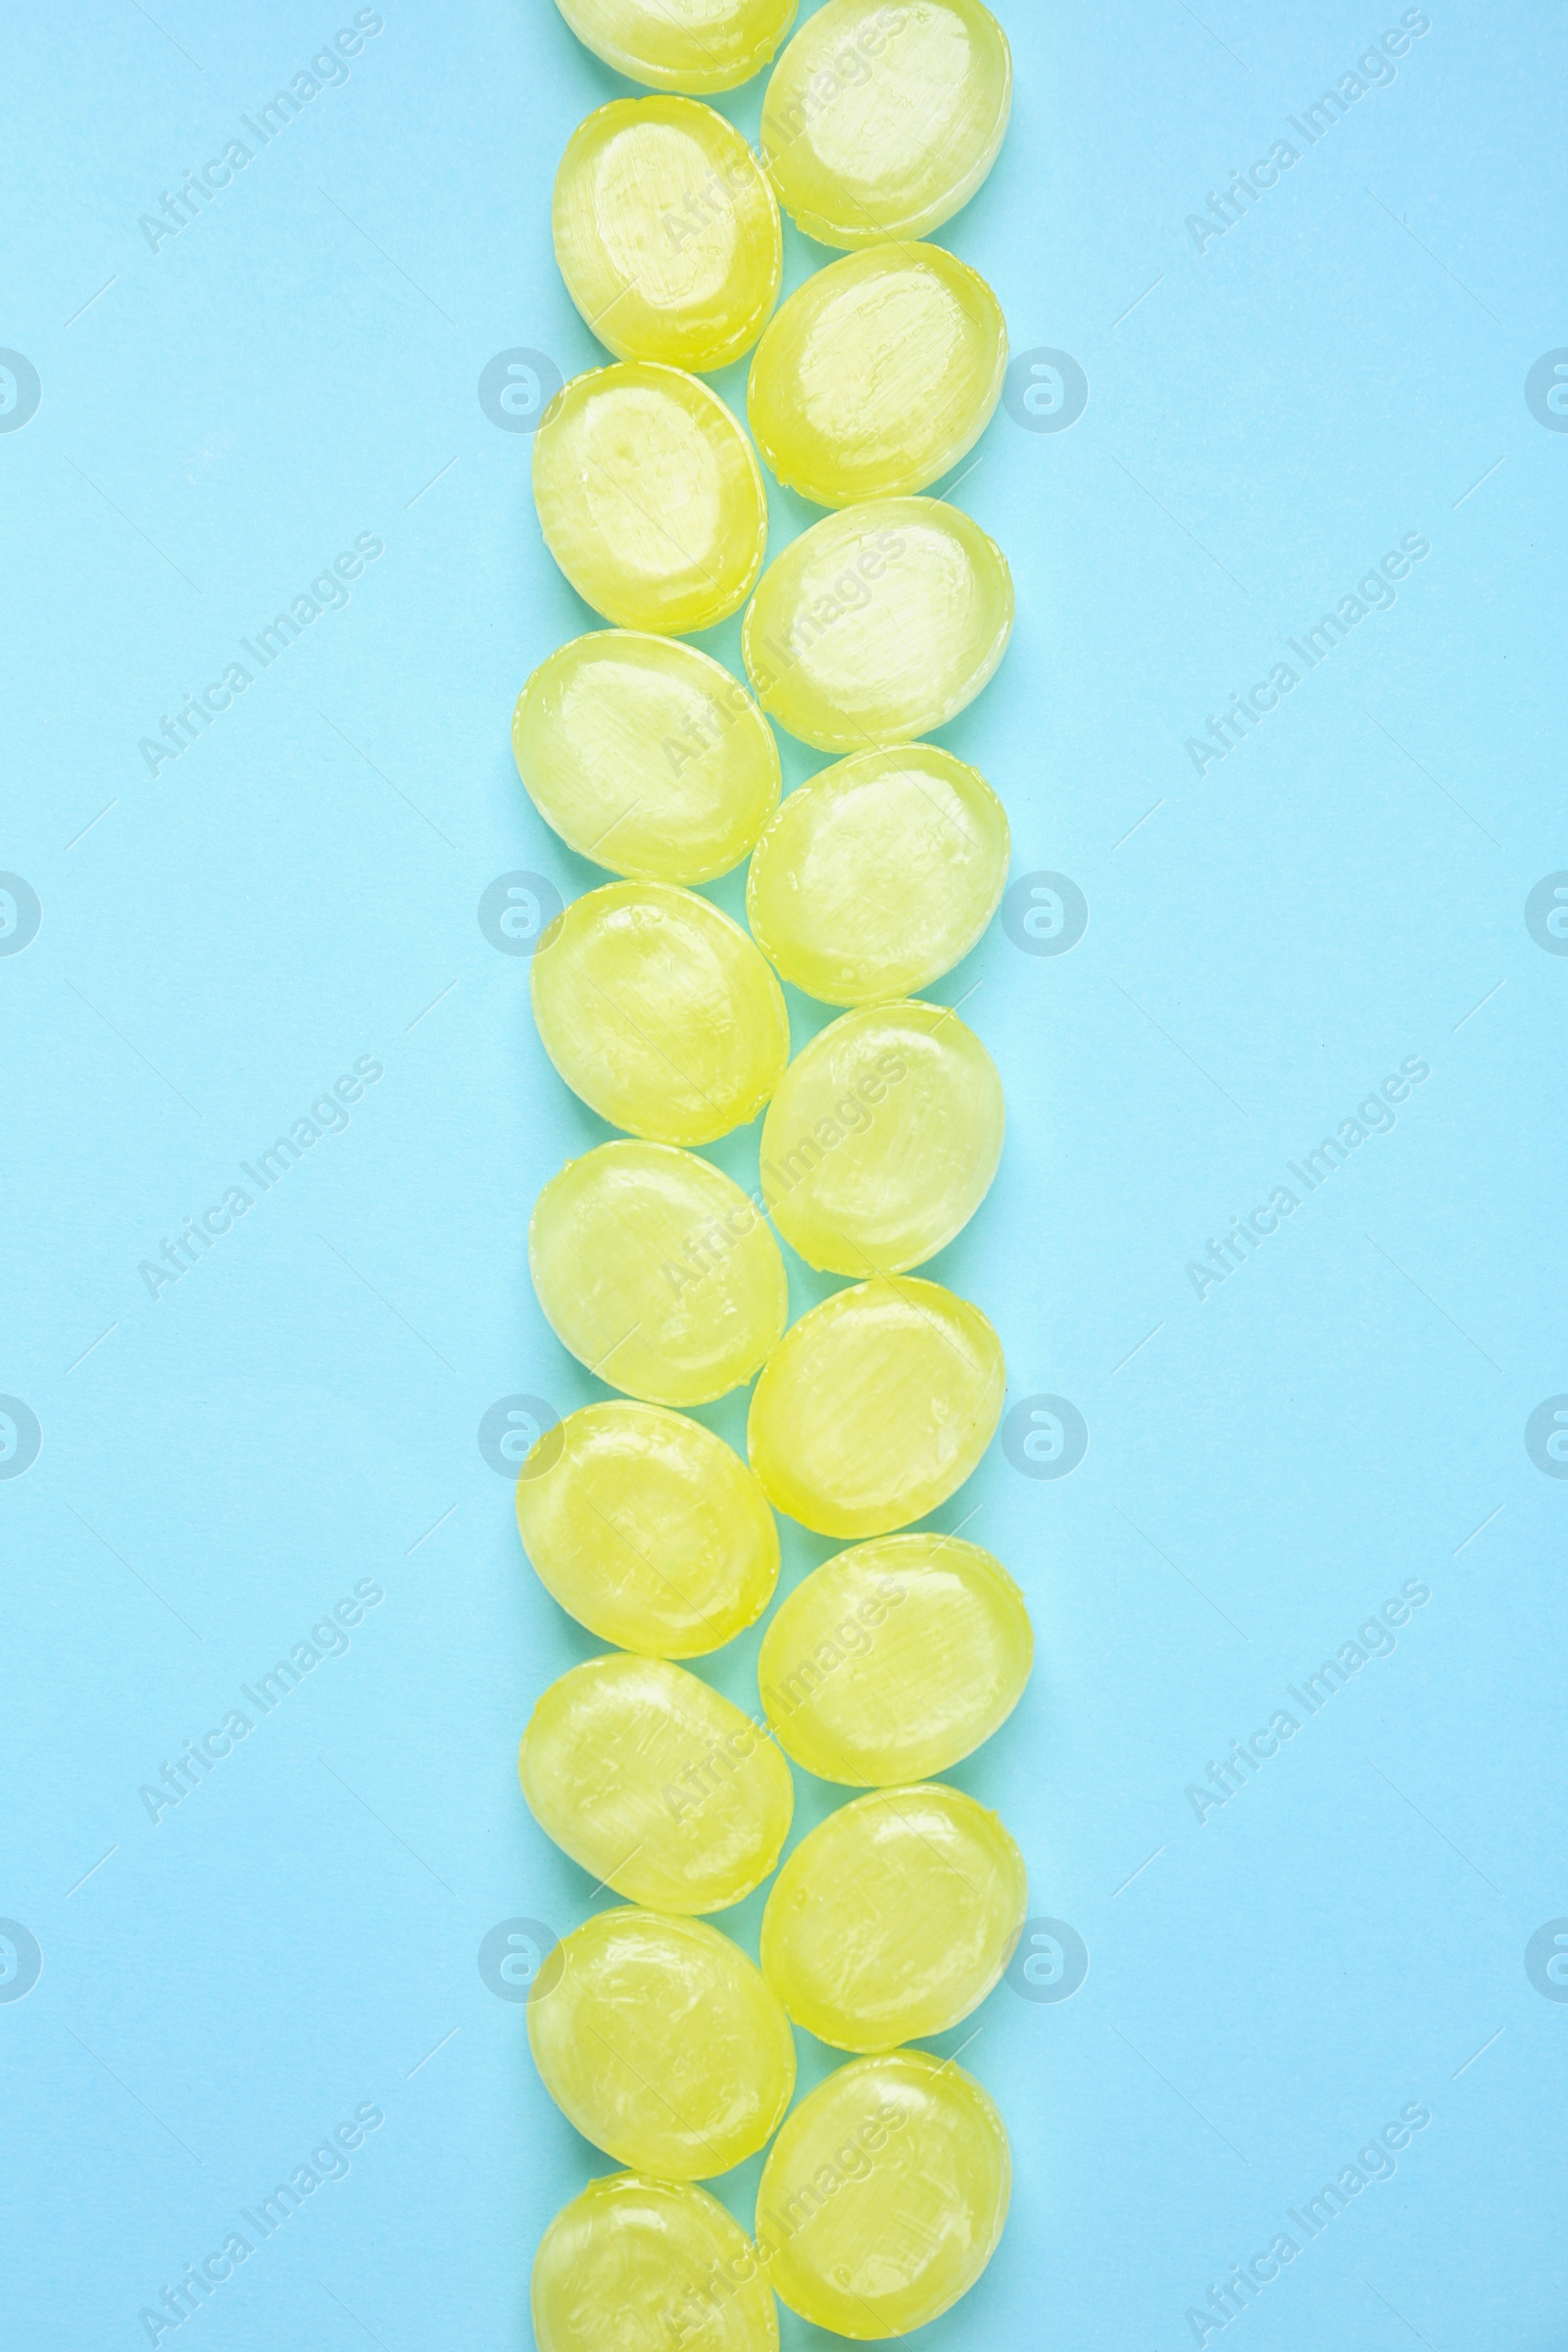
pixel 659 1274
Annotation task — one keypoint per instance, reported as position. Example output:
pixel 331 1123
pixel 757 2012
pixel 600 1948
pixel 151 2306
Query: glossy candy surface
pixel 895 1917
pixel 878 874
pixel 875 1406
pixel 659 1011
pixel 647 1529
pixel 895 1659
pixel 696 45
pixel 646 754
pixel 666 233
pixel 878 623
pixel 657 1272
pixel 877 374
pixel 649 498
pixel 632 2258
pixel 881 119
pixel 659 2041
pixel 900 2169
pixel 883 1139
pixel 654 1784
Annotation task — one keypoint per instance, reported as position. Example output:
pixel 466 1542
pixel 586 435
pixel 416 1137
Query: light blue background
pixel 221 1464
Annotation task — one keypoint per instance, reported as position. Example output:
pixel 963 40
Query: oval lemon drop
pixel 875 1406
pixel 658 1785
pixel 666 233
pixel 696 45
pixel 633 2259
pixel 882 1139
pixel 657 1272
pixel 877 374
pixel 878 874
pixel 917 2161
pixel 649 498
pixel 895 1917
pixel 647 1529
pixel 878 623
pixel 895 1659
pixel 662 2042
pixel 660 1012
pixel 881 121
pixel 647 755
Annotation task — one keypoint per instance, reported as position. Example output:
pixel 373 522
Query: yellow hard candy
pixel 694 45
pixel 647 1529
pixel 646 2265
pixel 661 2042
pixel 646 754
pixel 649 498
pixel 877 374
pixel 882 1139
pixel 895 1917
pixel 667 232
pixel 657 1784
pixel 657 1272
pixel 883 116
pixel 878 874
pixel 875 1406
pixel 895 1659
pixel 659 1011
pixel 884 2196
pixel 878 623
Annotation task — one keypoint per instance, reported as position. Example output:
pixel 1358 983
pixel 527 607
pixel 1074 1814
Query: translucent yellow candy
pixel 659 1011
pixel 884 2196
pixel 649 498
pixel 681 44
pixel 883 116
pixel 875 1406
pixel 647 755
pixel 882 1139
pixel 895 1917
pixel 877 374
pixel 659 2041
pixel 647 2264
pixel 895 1659
pixel 878 623
pixel 657 1272
pixel 878 874
pixel 657 1784
pixel 647 1529
pixel 666 233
